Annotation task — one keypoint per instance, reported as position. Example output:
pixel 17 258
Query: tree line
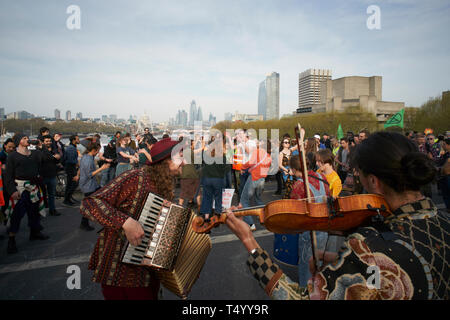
pixel 434 114
pixel 32 126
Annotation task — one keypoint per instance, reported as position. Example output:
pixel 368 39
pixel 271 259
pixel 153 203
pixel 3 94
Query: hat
pixel 18 137
pixel 316 136
pixel 162 150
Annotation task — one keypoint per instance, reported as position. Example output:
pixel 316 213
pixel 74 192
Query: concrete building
pixel 309 86
pixel 20 115
pixel 365 92
pixel 2 113
pixel 113 118
pixel 57 114
pixel 247 117
pixel 79 116
pixel 68 115
pixel 228 116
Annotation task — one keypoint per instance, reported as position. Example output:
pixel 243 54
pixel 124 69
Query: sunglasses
pixel 285 142
pixel 430 139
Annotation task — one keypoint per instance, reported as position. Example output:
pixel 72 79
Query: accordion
pixel 169 246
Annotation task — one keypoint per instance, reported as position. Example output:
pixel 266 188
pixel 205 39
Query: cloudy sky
pixel 157 56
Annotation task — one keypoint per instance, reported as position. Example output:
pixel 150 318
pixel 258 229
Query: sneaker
pixel 86 227
pixel 253 227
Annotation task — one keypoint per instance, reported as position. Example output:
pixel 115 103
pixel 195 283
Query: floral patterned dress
pixel 406 257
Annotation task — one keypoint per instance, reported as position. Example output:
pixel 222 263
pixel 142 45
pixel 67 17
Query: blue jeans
pixel 227 180
pixel 305 253
pixel 252 189
pixel 107 176
pixel 242 180
pixel 212 190
pixel 122 167
pixel 50 185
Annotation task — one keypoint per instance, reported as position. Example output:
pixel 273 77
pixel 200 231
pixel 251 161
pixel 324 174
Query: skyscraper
pixel 79 116
pixel 309 84
pixel 68 115
pixel 262 99
pixel 271 102
pixel 2 113
pixel 57 114
pixel 193 113
pixel 199 114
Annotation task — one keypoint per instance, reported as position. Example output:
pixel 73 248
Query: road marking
pixel 54 262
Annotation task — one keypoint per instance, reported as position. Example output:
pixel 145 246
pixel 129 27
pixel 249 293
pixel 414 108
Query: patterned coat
pixel 410 251
pixel 111 206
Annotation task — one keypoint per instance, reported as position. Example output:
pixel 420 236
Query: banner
pixel 340 133
pixel 395 120
pixel 227 198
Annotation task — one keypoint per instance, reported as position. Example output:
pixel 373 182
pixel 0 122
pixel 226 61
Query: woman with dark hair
pixel 406 256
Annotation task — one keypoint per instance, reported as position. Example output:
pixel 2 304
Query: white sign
pixel 227 198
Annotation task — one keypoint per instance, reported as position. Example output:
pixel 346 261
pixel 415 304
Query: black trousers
pixel 71 171
pixel 279 181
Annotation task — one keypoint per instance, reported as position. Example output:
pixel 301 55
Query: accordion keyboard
pixel 150 220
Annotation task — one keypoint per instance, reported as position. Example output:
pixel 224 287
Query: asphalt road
pixel 40 269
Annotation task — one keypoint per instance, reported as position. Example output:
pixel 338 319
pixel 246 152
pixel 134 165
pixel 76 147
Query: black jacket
pixel 49 164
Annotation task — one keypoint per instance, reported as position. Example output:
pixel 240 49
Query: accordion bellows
pixel 189 262
pixel 170 246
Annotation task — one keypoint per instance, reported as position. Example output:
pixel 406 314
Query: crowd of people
pixel 29 171
pixel 393 165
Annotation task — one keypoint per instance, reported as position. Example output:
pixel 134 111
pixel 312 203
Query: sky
pixel 155 57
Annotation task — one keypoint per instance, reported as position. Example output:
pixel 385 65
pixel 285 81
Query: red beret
pixel 162 150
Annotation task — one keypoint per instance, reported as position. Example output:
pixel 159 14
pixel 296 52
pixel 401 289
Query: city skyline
pixel 154 56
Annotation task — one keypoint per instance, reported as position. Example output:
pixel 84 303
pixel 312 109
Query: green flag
pixel 340 133
pixel 395 120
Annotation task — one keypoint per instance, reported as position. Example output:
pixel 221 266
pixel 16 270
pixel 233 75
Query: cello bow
pixel 300 135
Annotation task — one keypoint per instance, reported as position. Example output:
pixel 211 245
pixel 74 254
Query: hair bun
pixel 418 169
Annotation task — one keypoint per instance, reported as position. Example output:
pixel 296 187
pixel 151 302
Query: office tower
pixel 262 99
pixel 199 114
pixel 272 96
pixel 57 114
pixel 68 115
pixel 79 116
pixel 309 85
pixel 193 113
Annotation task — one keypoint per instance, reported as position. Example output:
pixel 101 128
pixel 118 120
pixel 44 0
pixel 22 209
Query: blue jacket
pixel 71 155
